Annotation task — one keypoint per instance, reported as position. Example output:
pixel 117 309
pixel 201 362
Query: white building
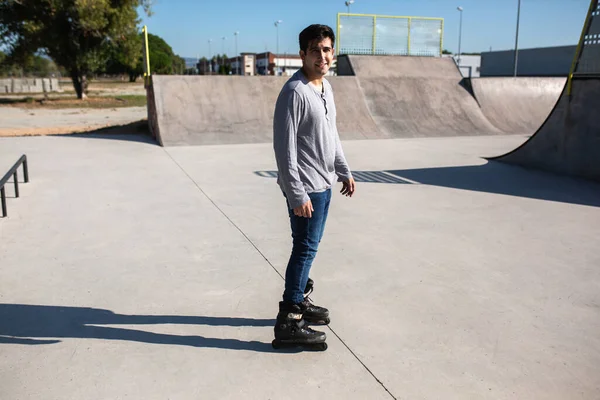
pixel 249 64
pixel 244 64
pixel 280 64
pixel 287 65
pixel 470 66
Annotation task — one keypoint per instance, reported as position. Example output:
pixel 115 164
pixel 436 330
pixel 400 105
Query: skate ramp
pixel 517 105
pixel 418 97
pixel 203 110
pixel 569 140
pixel 402 66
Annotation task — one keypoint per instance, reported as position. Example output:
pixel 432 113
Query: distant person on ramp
pixel 310 160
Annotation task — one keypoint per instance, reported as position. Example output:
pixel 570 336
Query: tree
pixel 178 65
pixel 126 57
pixel 163 60
pixel 76 34
pixel 224 68
pixel 203 66
pixel 41 66
pixel 32 65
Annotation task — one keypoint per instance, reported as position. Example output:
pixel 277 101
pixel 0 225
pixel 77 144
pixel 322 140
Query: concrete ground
pixel 128 270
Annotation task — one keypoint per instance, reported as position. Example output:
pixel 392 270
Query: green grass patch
pixel 90 102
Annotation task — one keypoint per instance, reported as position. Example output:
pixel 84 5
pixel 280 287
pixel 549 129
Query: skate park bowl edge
pixel 568 142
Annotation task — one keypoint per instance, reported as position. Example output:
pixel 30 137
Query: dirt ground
pixel 110 104
pixel 16 121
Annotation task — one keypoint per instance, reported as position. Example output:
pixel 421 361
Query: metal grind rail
pixel 14 173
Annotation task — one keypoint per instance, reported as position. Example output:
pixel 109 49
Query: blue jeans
pixel 307 234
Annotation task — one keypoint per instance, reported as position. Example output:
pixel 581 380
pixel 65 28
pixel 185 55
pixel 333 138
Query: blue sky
pixel 187 25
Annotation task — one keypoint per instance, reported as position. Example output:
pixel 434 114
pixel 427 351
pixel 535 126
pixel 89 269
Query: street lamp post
pixel 460 9
pixel 348 3
pixel 222 54
pixel 517 38
pixel 237 58
pixel 277 27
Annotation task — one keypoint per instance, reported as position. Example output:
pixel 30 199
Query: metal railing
pixel 13 172
pixel 587 56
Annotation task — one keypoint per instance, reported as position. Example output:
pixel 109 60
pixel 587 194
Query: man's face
pixel 318 57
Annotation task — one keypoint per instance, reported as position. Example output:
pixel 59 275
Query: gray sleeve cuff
pixel 344 176
pixel 297 201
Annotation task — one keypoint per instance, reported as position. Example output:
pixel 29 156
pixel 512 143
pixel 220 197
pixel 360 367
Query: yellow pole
pixel 147 54
pixel 374 32
pixel 588 19
pixel 409 24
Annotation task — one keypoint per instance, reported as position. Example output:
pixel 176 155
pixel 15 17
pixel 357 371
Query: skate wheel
pixel 324 321
pixel 276 345
pixel 322 346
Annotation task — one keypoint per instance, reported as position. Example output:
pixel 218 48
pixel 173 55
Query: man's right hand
pixel 305 210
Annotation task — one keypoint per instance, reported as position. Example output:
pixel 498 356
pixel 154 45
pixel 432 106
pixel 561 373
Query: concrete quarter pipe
pixel 517 105
pixel 569 140
pixel 386 97
pixel 203 110
pixel 417 96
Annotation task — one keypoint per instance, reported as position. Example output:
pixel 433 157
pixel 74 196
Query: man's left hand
pixel 348 187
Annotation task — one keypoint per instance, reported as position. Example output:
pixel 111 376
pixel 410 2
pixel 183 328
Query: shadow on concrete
pixel 30 324
pixel 10 186
pixel 17 100
pixel 495 177
pixel 137 131
pixel 359 176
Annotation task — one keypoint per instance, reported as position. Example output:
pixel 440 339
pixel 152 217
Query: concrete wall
pixel 29 85
pixel 544 61
pixel 152 113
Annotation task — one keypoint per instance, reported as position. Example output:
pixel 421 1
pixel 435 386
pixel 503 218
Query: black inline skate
pixel 291 329
pixel 313 314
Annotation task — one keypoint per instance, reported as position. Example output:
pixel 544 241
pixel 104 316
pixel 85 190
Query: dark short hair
pixel 315 32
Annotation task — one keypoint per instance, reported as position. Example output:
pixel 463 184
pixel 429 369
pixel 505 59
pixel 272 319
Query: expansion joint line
pixel 224 214
pixel 275 269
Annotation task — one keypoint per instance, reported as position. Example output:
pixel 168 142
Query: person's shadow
pixel 29 324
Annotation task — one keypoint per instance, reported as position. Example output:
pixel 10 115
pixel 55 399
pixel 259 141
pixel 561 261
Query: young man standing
pixel 310 160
